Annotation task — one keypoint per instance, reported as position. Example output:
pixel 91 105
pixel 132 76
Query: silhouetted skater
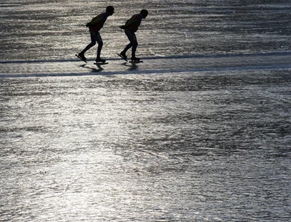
pixel 94 27
pixel 130 27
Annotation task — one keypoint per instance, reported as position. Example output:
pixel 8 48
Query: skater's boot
pixel 82 57
pixel 99 60
pixel 135 59
pixel 123 55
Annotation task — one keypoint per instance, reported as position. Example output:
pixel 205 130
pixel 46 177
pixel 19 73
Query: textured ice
pixel 200 131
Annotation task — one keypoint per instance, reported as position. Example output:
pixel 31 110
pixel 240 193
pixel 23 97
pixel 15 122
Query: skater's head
pixel 144 13
pixel 110 10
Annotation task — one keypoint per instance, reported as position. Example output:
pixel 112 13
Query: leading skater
pixel 130 27
pixel 94 27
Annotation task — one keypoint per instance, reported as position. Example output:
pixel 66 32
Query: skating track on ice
pixel 168 64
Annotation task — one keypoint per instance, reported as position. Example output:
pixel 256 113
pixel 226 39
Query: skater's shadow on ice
pixel 132 66
pixel 96 68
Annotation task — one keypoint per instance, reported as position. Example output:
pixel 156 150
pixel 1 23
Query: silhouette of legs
pixel 133 43
pixel 95 37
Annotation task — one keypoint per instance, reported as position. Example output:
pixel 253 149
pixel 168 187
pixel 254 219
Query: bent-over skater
pixel 94 27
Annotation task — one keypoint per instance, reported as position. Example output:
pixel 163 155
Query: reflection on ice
pixel 146 147
pixel 56 30
pixel 198 132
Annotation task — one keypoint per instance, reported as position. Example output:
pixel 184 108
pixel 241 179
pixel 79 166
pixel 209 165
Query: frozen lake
pixel 200 131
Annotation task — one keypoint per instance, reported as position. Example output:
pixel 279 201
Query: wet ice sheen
pixel 191 136
pixel 56 29
pixel 177 147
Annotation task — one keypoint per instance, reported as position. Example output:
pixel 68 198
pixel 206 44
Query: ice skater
pixel 130 27
pixel 94 27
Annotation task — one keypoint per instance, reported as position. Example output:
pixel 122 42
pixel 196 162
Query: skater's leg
pixel 90 45
pixel 134 46
pixel 133 42
pixel 100 44
pixel 126 48
pixel 131 37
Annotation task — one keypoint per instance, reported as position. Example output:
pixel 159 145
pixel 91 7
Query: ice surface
pixel 38 29
pixel 151 65
pixel 200 131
